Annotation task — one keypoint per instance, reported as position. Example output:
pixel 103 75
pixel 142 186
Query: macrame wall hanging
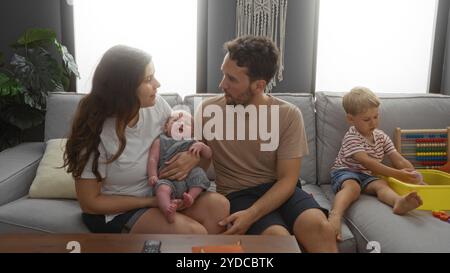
pixel 264 18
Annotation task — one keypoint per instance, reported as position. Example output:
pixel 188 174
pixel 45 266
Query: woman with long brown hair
pixel 107 153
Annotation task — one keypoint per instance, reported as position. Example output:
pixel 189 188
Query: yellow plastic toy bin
pixel 435 195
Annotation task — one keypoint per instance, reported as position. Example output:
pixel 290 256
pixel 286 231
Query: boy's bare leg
pixel 350 191
pixel 167 206
pixel 400 204
pixel 190 196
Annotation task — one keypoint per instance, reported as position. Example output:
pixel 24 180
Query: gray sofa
pixel 366 221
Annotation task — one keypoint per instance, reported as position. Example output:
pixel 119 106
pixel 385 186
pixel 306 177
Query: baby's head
pixel 361 106
pixel 179 125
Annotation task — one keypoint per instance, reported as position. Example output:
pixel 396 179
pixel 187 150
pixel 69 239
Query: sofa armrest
pixel 18 167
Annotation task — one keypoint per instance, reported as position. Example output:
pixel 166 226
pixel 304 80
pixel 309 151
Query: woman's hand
pixel 179 166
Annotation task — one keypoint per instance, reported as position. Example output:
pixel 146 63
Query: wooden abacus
pixel 424 148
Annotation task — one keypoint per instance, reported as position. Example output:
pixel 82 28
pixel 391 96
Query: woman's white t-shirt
pixel 127 175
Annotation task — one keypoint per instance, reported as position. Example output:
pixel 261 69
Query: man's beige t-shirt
pixel 241 164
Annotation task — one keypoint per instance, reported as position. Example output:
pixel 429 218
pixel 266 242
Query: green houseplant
pixel 40 64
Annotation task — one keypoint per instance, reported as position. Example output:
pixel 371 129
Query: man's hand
pixel 179 166
pixel 239 222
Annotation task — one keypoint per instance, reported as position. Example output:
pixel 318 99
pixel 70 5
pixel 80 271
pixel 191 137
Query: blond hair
pixel 359 100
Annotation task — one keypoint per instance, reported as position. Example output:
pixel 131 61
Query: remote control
pixel 152 246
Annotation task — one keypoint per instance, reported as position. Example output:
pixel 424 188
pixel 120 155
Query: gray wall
pixel 299 71
pixel 221 28
pixel 18 15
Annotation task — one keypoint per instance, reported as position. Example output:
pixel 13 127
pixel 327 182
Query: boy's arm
pixel 153 158
pixel 399 161
pixel 379 168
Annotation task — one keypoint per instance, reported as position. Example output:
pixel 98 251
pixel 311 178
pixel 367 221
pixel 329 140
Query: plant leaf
pixel 35 35
pixel 8 86
pixel 39 73
pixel 69 61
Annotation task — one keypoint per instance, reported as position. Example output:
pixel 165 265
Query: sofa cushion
pixel 371 220
pixel 27 215
pixel 18 168
pixel 61 107
pixel 51 180
pixel 407 111
pixel 305 103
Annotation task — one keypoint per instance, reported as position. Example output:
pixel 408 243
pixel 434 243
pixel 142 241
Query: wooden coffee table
pixel 124 243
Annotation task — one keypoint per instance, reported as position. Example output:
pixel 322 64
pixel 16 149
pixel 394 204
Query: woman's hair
pixel 114 95
pixel 359 100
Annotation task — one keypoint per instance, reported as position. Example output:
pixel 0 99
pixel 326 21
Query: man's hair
pixel 359 100
pixel 258 54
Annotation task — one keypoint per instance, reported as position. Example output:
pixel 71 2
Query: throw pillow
pixel 51 181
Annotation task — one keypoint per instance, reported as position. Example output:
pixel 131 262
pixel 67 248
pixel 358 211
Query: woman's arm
pixel 94 202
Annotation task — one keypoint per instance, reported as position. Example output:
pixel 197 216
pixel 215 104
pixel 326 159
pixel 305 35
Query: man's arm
pixel 379 168
pixel 288 171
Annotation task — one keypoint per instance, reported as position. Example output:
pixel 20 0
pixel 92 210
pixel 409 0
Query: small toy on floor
pixel 442 215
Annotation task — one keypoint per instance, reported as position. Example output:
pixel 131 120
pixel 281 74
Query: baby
pixel 177 137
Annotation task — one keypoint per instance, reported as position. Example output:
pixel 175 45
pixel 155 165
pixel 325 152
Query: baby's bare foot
pixel 188 200
pixel 335 221
pixel 170 211
pixel 407 203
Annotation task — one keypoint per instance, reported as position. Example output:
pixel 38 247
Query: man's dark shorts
pixel 120 224
pixel 284 216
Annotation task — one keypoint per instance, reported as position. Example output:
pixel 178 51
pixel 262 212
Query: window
pixel 381 44
pixel 165 29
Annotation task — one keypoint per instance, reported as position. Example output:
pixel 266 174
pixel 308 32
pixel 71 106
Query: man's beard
pixel 244 99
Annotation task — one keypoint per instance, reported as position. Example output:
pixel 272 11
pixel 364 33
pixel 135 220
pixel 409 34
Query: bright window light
pixel 385 45
pixel 165 29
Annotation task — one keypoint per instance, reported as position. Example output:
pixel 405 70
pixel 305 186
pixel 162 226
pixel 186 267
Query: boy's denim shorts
pixel 339 176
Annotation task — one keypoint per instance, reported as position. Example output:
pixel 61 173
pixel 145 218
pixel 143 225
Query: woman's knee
pixel 195 228
pixel 216 203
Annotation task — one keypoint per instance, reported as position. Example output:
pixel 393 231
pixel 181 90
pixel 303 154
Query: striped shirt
pixel 354 142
